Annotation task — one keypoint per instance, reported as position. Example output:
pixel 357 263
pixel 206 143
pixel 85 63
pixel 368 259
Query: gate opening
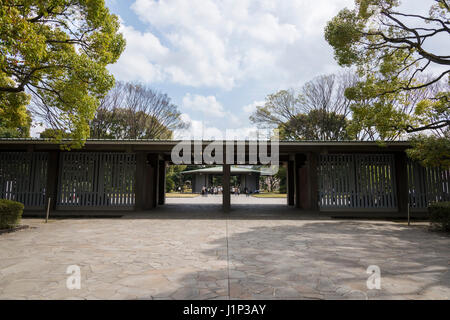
pixel 201 185
pixel 263 193
pixel 193 188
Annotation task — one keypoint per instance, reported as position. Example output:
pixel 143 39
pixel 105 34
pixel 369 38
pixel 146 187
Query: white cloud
pixel 246 133
pixel 207 105
pixel 200 130
pixel 211 108
pixel 222 44
pixel 197 130
pixel 36 129
pixel 137 61
pixel 250 108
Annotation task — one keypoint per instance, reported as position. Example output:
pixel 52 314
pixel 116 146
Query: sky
pixel 219 59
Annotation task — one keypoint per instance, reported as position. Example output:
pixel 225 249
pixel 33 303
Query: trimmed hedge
pixel 10 213
pixel 439 213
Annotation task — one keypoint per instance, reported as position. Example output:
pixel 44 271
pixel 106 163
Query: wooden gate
pixel 23 177
pixel 357 181
pixel 427 185
pixel 95 180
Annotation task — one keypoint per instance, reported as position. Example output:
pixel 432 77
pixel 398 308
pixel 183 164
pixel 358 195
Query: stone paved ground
pixel 196 252
pixel 217 199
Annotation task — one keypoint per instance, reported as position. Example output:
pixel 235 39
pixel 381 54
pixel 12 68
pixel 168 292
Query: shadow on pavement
pixel 323 260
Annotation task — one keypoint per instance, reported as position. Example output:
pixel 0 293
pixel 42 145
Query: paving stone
pixel 273 253
pixel 286 292
pixel 186 293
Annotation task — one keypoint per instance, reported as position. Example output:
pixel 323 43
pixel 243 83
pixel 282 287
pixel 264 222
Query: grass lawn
pixel 180 195
pixel 269 195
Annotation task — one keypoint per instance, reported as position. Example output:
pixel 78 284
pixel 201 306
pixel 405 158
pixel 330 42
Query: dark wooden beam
pixel 162 183
pixel 52 179
pixel 226 201
pixel 401 181
pixel 290 181
pixel 299 187
pixel 140 180
pixel 313 180
pixel 153 181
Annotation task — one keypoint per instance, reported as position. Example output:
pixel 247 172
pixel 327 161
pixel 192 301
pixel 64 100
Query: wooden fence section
pixel 427 185
pixel 96 180
pixel 23 177
pixel 357 181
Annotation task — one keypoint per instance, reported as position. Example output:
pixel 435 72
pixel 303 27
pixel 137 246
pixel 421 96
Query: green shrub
pixel 10 213
pixel 439 213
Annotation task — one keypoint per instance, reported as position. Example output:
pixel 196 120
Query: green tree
pixel 15 120
pixel 389 50
pixel 18 127
pixel 318 112
pixel 57 51
pixel 276 182
pixel 315 125
pixel 431 151
pixel 170 184
pixel 283 179
pixel 54 134
pixel 174 178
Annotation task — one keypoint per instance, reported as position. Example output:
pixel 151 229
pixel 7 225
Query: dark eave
pixel 165 146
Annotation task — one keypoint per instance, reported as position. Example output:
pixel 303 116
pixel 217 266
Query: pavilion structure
pixel 247 178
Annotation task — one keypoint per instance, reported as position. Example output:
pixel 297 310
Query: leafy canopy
pixel 57 51
pixel 15 120
pixel 389 49
pixel 174 178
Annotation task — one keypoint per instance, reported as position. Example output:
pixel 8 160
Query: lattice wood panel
pixel 96 179
pixel 427 185
pixel 364 181
pixel 23 177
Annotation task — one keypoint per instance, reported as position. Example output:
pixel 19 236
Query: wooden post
pixel 401 180
pixel 48 210
pixel 290 177
pixel 140 181
pixel 153 162
pixel 51 189
pixel 313 181
pixel 226 188
pixel 409 219
pixel 162 183
pixel 299 184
